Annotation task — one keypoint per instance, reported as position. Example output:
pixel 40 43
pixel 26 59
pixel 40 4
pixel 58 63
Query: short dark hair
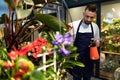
pixel 91 7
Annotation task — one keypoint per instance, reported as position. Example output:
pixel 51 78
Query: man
pixel 83 31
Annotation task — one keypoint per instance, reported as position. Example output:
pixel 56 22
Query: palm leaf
pixel 52 22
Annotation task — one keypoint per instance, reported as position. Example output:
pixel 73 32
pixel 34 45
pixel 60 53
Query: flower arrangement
pixel 110 37
pixel 20 58
pixel 17 65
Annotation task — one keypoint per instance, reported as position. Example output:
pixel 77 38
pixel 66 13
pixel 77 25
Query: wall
pixel 75 13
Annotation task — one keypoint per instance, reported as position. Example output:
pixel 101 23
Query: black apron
pixel 82 42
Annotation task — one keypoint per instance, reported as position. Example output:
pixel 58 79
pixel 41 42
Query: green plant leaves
pixel 10 4
pixel 71 63
pixel 3 53
pixel 37 75
pixel 52 22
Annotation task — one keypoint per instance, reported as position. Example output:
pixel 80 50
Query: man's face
pixel 88 16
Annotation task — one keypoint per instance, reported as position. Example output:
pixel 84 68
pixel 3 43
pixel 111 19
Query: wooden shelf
pixel 107 52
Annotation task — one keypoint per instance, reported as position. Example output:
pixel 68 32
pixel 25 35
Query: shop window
pixel 110 26
pixel 110 38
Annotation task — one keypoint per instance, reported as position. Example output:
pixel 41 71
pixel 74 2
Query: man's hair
pixel 91 7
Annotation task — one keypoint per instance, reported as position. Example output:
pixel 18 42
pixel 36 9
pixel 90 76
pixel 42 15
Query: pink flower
pixel 35 55
pixel 13 55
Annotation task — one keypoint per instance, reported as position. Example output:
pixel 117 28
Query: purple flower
pixel 56 43
pixel 67 39
pixel 63 41
pixel 58 39
pixel 67 34
pixel 64 51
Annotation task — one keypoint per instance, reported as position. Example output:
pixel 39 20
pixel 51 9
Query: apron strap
pixel 92 30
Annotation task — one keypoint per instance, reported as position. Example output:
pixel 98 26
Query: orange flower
pixel 24 66
pixel 16 2
pixel 8 64
pixel 17 78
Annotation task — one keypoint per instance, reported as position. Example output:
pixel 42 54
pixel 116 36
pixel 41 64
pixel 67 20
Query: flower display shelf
pixel 111 55
pixel 112 59
pixel 44 60
pixel 108 52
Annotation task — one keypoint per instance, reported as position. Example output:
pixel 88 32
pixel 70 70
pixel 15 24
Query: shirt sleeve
pixel 96 31
pixel 74 26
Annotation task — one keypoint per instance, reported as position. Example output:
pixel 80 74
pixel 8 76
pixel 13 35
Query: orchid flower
pixel 62 41
pixel 64 51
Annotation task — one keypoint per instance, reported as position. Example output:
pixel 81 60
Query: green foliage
pixel 37 75
pixel 110 65
pixel 52 22
pixel 3 53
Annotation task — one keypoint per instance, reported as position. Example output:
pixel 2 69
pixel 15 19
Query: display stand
pixel 45 65
pixel 110 56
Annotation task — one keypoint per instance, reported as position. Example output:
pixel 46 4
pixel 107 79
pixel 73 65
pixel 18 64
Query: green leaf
pixel 71 48
pixel 67 65
pixel 10 3
pixel 52 22
pixel 51 73
pixel 49 61
pixel 1 62
pixel 72 55
pixel 75 63
pixel 37 75
pixel 3 53
pixel 23 13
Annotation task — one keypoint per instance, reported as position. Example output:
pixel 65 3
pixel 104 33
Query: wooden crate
pixel 107 75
